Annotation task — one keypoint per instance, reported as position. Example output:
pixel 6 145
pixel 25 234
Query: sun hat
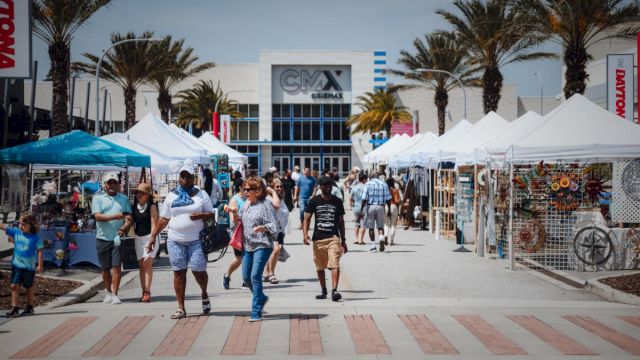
pixel 145 188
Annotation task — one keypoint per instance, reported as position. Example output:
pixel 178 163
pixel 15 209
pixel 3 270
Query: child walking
pixel 27 249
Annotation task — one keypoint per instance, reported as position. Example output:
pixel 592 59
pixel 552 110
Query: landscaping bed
pixel 629 284
pixel 46 290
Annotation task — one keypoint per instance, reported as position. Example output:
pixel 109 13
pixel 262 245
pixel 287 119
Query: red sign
pixel 402 128
pixel 7 36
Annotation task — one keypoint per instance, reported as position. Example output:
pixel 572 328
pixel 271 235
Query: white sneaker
pixel 381 238
pixel 108 297
pixel 115 300
pixel 373 247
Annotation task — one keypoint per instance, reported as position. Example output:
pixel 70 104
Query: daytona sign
pixel 620 85
pixel 15 38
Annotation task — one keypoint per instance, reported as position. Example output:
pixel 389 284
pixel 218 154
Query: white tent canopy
pixel 406 157
pixel 160 162
pixel 432 152
pixel 398 148
pixel 158 136
pixel 372 156
pixel 578 130
pixel 486 128
pixel 214 144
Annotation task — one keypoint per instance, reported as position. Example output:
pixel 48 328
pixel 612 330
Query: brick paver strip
pixel 243 337
pixel 181 337
pixel 119 337
pixel 365 335
pixel 635 320
pixel 551 336
pixel 55 338
pixel 427 335
pixel 491 337
pixel 617 338
pixel 304 335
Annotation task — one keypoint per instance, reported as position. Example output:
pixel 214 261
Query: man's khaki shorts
pixel 327 253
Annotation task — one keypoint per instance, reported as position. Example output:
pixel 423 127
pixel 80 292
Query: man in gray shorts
pixel 375 195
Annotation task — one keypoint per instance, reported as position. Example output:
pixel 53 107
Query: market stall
pixel 66 227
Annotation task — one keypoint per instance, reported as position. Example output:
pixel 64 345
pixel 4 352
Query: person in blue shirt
pixel 305 188
pixel 357 193
pixel 27 251
pixel 112 211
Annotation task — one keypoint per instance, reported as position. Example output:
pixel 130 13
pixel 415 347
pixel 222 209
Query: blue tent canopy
pixel 74 148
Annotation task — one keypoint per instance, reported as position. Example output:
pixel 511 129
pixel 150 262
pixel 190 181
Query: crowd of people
pixel 258 207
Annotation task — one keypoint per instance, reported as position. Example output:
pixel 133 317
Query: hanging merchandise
pixel 531 236
pixel 564 191
pixel 625 206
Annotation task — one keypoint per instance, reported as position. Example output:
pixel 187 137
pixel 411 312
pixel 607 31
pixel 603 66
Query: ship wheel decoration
pixel 592 245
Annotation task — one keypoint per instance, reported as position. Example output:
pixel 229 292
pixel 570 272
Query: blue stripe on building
pixel 379 87
pixel 380 62
pixel 380 79
pixel 379 71
pixel 379 53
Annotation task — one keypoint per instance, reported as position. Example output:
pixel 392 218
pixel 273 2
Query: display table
pixel 86 242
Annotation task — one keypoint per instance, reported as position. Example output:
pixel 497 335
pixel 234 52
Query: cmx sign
pixel 293 80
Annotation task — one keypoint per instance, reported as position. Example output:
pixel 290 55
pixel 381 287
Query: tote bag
pixel 236 237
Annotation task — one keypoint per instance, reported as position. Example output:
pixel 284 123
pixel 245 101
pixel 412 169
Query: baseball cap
pixel 325 180
pixel 109 176
pixel 188 166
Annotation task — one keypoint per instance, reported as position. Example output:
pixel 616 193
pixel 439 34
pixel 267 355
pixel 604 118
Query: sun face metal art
pixel 564 191
pixel 532 236
pixel 592 245
pixel 631 180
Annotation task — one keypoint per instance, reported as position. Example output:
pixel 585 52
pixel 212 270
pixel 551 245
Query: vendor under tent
pixel 404 158
pixel 486 128
pixel 213 148
pixel 154 134
pixel 372 156
pixel 161 161
pixel 578 130
pixel 69 244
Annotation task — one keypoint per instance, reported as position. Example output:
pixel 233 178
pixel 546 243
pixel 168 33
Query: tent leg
pixel 31 186
pixel 510 235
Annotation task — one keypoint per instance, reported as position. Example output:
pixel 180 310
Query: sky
pixel 234 31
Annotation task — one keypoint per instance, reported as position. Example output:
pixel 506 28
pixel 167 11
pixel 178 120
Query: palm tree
pixel 493 36
pixel 198 104
pixel 182 66
pixel 55 22
pixel 438 51
pixel 578 25
pixel 379 110
pixel 128 65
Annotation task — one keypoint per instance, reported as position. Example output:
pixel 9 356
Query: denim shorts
pixel 22 277
pixel 183 255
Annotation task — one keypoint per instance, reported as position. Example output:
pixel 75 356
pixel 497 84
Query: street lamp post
pixel 215 126
pixel 540 81
pixel 98 76
pixel 464 93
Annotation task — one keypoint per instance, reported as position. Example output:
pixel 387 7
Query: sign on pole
pixel 15 39
pixel 620 85
pixel 225 133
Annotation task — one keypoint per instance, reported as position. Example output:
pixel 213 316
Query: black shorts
pixel 108 254
pixel 237 253
pixel 280 238
pixel 22 277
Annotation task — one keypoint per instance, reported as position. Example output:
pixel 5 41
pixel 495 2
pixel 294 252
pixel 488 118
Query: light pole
pixel 540 81
pixel 98 76
pixel 215 127
pixel 464 93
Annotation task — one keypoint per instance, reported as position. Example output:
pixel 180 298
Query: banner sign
pixel 304 84
pixel 15 39
pixel 398 128
pixel 225 132
pixel 620 85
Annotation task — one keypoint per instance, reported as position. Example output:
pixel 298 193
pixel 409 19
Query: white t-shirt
pixel 295 176
pixel 216 192
pixel 181 228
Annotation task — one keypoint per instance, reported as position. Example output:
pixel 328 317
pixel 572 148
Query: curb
pixel 607 292
pixel 86 291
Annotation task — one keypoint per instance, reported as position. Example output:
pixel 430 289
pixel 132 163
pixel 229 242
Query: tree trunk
pixel 575 59
pixel 130 107
pixel 441 100
pixel 164 103
pixel 492 86
pixel 60 55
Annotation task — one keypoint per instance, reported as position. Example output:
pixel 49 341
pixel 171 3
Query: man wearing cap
pixel 329 241
pixel 112 212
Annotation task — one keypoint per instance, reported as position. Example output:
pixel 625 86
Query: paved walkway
pixel 418 299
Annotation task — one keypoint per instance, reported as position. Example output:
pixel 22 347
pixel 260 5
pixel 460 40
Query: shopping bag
pixel 284 255
pixel 236 237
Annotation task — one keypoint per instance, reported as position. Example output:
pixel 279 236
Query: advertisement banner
pixel 398 128
pixel 225 131
pixel 15 39
pixel 620 85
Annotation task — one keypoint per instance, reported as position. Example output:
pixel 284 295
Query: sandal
pixel 206 306
pixel 179 314
pixel 273 280
pixel 265 278
pixel 146 297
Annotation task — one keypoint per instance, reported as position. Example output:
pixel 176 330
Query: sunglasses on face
pixel 112 182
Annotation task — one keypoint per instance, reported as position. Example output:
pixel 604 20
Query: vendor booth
pixel 67 230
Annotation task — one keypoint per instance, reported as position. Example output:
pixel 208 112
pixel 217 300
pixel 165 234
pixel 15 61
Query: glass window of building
pixel 254 111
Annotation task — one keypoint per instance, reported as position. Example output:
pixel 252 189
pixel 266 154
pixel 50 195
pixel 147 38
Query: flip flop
pixel 179 314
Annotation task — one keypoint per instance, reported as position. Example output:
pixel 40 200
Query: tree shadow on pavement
pixel 363 298
pixel 300 280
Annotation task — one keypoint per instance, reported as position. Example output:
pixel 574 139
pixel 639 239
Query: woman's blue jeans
pixel 253 263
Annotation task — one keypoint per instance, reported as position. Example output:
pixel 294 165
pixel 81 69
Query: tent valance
pixel 74 148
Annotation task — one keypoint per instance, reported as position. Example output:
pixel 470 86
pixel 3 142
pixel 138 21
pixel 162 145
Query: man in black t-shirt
pixel 329 242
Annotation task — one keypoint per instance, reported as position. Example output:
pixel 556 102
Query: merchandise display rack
pixel 444 198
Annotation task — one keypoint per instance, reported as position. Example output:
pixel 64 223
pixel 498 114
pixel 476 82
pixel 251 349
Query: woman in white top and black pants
pixel 184 211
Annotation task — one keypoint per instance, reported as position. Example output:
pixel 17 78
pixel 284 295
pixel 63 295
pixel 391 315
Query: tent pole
pixel 59 185
pixel 31 189
pixel 510 236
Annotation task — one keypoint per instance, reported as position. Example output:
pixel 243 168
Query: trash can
pixel 128 253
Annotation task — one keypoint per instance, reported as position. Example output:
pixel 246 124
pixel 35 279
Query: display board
pixel 626 201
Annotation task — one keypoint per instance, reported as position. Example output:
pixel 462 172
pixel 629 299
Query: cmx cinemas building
pixel 297 104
